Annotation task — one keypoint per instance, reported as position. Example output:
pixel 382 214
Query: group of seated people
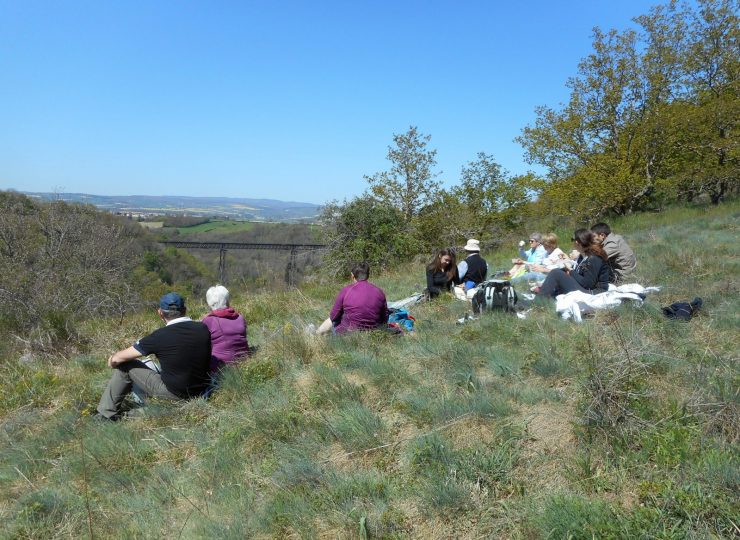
pixel 444 273
pixel 599 257
pixel 191 352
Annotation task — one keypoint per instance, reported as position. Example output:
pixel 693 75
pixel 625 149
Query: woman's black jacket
pixel 439 281
pixel 592 273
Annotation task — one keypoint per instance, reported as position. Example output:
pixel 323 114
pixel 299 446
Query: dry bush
pixel 614 390
pixel 60 263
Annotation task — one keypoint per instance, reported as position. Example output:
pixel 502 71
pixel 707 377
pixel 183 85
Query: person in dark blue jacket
pixel 591 273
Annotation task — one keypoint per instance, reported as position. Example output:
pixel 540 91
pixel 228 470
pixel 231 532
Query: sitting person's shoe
pixel 103 419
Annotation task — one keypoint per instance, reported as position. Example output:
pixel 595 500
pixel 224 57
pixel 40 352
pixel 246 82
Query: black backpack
pixel 683 310
pixel 495 295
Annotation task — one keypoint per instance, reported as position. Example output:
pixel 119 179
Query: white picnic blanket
pixel 576 304
pixel 406 302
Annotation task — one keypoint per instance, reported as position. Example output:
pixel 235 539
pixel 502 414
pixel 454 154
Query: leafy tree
pixel 409 185
pixel 442 223
pixel 493 201
pixel 365 229
pixel 601 134
pixel 705 128
pixel 652 114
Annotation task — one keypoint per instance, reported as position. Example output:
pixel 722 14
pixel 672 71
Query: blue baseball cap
pixel 171 301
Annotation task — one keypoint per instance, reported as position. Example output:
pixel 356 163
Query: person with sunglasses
pixel 555 259
pixel 590 274
pixel 534 255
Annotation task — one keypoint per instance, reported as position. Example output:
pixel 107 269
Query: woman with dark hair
pixel 442 273
pixel 590 274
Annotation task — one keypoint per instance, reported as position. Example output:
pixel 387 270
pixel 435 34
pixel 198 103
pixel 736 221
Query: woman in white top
pixel 554 258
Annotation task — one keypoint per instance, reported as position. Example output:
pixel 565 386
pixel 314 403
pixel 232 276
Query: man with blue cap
pixel 183 348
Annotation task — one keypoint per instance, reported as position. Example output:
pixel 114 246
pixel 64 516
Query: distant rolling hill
pixel 236 208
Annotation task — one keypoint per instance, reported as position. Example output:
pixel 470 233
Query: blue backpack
pixel 402 319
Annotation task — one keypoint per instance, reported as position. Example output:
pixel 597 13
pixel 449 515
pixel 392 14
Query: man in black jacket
pixel 183 348
pixel 472 270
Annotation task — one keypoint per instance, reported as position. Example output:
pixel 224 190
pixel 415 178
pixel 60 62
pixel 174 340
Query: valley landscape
pixel 517 424
pixel 148 206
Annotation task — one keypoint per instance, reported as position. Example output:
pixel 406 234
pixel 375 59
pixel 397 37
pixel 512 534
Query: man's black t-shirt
pixel 184 352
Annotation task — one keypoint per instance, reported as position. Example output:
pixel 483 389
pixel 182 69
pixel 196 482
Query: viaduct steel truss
pixel 223 247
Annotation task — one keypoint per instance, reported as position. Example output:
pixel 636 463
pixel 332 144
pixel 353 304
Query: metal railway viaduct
pixel 223 247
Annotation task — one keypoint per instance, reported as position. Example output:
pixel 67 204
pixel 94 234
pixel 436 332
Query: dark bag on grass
pixel 683 310
pixel 495 295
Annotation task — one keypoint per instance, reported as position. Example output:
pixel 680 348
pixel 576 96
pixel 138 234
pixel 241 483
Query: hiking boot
pixel 105 419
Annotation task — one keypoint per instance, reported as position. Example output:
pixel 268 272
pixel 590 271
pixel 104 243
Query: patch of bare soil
pixel 549 445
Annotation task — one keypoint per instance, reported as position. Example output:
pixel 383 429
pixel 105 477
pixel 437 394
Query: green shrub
pixel 53 251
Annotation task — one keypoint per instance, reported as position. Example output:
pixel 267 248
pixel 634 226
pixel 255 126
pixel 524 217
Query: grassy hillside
pixel 624 426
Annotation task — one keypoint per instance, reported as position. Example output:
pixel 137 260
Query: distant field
pixel 220 226
pixel 151 224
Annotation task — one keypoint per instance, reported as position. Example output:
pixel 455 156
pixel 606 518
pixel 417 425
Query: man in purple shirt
pixel 359 306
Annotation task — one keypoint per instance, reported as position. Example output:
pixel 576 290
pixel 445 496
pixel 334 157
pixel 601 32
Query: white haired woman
pixel 534 255
pixel 228 329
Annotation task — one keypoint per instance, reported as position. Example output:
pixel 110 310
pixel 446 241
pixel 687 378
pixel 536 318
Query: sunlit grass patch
pixel 362 487
pixel 32 441
pixel 34 384
pixel 357 427
pixel 293 345
pixel 448 477
pixel 531 394
pixel 719 466
pixel 287 514
pixel 331 388
pixel 279 414
pixel 45 513
pixel 387 375
pixel 239 381
pixel 571 516
pixel 429 405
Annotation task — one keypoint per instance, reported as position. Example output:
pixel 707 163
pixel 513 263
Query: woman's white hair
pixel 218 297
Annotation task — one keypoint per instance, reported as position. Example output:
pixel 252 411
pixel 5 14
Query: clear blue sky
pixel 286 100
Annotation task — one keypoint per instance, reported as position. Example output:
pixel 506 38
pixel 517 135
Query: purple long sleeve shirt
pixel 359 306
pixel 228 334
